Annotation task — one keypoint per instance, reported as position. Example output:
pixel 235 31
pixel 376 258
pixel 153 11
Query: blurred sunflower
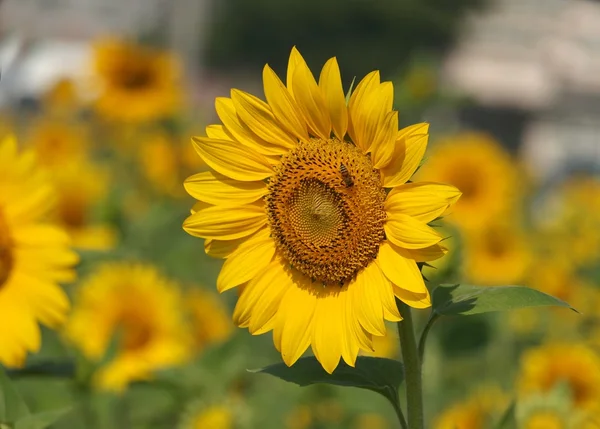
pixel 226 414
pixel 58 143
pixel 370 421
pixel 210 322
pixel 80 187
pixel 136 84
pixel 478 166
pixel 497 254
pixel 62 98
pixel 34 256
pixel 301 417
pixel 325 227
pixel 479 411
pixel 544 367
pixel 141 311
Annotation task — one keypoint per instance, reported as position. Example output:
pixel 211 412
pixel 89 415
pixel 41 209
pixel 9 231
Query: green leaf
pixel 509 419
pixel 380 375
pixel 467 300
pixel 12 406
pixel 41 420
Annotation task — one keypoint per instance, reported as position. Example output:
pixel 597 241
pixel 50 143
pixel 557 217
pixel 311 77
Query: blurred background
pixel 108 93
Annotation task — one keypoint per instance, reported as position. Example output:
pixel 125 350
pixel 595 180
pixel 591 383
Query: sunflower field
pixel 322 251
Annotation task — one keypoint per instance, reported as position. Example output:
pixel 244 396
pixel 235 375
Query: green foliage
pixel 508 420
pixel 364 35
pixel 14 413
pixel 466 300
pixel 380 375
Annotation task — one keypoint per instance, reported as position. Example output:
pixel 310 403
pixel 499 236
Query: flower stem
pixel 412 368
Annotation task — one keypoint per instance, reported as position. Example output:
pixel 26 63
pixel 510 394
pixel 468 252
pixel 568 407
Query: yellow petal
pixel 330 82
pixel 271 282
pixel 425 254
pixel 236 130
pixel 311 101
pixel 363 112
pixel 386 293
pixel 246 262
pixel 362 337
pixel 214 188
pixel 293 61
pixel 415 300
pixel 350 341
pixel 367 302
pixel 382 147
pixel 48 301
pixel 422 200
pixel 217 132
pixel 283 105
pixel 232 159
pixel 295 319
pixel 409 233
pixel 328 334
pixel 223 248
pixel 226 223
pixel 257 116
pixel 399 270
pixel 409 149
pixel 39 235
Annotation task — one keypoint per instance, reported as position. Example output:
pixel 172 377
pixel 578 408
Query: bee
pixel 346 176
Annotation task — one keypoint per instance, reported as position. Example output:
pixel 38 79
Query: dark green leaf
pixel 508 420
pixel 466 300
pixel 12 406
pixel 41 420
pixel 376 374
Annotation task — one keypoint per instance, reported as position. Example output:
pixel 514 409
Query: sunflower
pixel 58 143
pixel 34 256
pixel 143 308
pixel 478 166
pixel 80 186
pixel 308 200
pixel 544 367
pixel 210 322
pixel 478 411
pixel 496 255
pixel 227 413
pixel 136 84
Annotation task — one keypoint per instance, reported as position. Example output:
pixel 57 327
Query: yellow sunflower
pixel 313 196
pixel 225 413
pixel 58 143
pixel 478 411
pixel 497 254
pixel 544 367
pixel 142 309
pixel 136 84
pixel 34 256
pixel 210 322
pixel 478 166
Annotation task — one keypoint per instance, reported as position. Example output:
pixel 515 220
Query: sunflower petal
pixel 409 233
pixel 412 299
pixel 328 331
pixel 246 262
pixel 226 223
pixel 293 61
pixel 409 149
pixel 217 132
pixel 282 104
pixel 311 101
pixel 232 160
pixel 369 307
pixel 365 110
pixel 382 146
pixel 236 130
pixel 425 254
pixel 399 270
pixel 223 248
pixel 257 116
pixel 330 83
pixel 423 201
pixel 214 188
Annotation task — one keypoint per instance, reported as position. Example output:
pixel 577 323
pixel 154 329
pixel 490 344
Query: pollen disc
pixel 326 210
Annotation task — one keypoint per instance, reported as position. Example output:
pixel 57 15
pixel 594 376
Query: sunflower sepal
pixel 380 375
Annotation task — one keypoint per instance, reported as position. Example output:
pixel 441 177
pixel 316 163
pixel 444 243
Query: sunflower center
pixel 6 254
pixel 136 332
pixel 326 210
pixel 135 77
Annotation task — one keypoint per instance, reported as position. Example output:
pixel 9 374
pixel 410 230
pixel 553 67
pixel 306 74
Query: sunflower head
pixel 146 81
pixel 309 203
pixel 576 365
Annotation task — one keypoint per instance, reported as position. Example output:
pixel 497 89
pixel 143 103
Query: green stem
pixel 423 339
pixel 412 368
pixel 400 415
